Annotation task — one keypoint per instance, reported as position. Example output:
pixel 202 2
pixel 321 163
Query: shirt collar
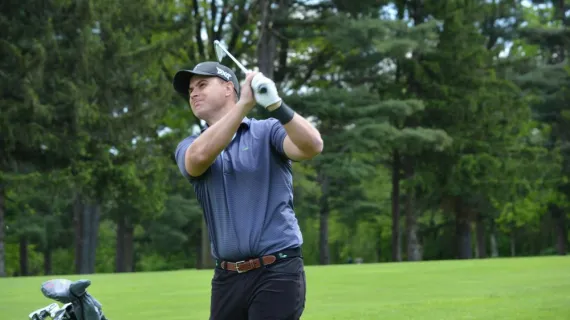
pixel 245 122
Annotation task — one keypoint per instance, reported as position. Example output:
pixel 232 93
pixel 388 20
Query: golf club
pixel 53 311
pixel 44 312
pixel 221 52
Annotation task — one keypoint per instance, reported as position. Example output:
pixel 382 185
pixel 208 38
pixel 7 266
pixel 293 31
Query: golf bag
pixel 78 304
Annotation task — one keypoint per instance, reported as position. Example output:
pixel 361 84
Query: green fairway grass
pixel 501 289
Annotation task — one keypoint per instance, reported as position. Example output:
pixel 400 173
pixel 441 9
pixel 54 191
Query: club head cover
pixel 85 306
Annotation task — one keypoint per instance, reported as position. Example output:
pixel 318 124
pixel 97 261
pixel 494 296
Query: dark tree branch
pixel 242 18
pixel 222 19
pixel 213 13
pixel 319 60
pixel 198 36
pixel 282 69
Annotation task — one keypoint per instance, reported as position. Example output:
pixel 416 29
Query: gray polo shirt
pixel 247 193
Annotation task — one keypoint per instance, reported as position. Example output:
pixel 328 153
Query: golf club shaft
pixel 261 88
pixel 238 64
pixel 234 59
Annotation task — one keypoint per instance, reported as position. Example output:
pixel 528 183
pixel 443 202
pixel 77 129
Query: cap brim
pixel 182 78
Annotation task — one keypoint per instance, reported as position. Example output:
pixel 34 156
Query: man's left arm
pixel 303 141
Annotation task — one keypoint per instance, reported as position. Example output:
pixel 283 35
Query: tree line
pixel 445 128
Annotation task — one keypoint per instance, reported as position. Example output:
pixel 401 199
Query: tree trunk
pixel 324 213
pixel 93 216
pixel 324 235
pixel 24 270
pixel 120 246
pixel 198 252
pixel 78 232
pixel 86 225
pixel 124 260
pixel 2 228
pixel 396 237
pixel 493 240
pixel 463 232
pixel 480 233
pixel 562 16
pixel 379 251
pixel 513 243
pixel 207 260
pixel 561 232
pixel 414 248
pixel 198 247
pixel 48 260
pixel 129 247
pixel 281 72
pixel 267 45
pixel 494 247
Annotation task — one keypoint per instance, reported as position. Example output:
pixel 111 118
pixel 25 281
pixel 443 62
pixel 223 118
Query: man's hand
pixel 265 91
pixel 247 97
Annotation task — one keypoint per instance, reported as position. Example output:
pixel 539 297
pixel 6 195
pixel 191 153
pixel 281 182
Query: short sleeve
pixel 277 136
pixel 180 154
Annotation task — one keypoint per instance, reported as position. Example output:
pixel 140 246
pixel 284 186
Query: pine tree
pixel 36 93
pixel 549 81
pixel 386 120
pixel 486 115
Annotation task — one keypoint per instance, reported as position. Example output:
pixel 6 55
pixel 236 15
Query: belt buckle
pixel 237 266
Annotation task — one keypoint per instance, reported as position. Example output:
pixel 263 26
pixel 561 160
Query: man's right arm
pixel 201 153
pixel 204 150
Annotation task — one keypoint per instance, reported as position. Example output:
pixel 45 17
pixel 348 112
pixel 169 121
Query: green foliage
pixel 35 260
pixel 105 260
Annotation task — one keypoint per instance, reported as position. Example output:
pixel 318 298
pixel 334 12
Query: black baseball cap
pixel 208 68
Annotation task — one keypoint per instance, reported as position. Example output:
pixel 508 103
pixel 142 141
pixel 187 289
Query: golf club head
pixel 65 313
pixel 44 312
pixel 220 53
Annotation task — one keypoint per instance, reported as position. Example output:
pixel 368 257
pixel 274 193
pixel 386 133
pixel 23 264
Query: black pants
pixel 275 291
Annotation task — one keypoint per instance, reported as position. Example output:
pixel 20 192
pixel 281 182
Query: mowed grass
pixel 516 288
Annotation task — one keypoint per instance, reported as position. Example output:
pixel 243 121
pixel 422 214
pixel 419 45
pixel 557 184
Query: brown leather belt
pixel 255 263
pixel 248 265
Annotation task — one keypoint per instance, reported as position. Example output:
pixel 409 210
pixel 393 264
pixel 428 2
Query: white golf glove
pixel 264 90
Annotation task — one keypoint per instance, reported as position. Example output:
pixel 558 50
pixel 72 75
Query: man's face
pixel 207 95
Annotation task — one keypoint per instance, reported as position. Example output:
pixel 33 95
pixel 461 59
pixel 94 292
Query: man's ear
pixel 229 89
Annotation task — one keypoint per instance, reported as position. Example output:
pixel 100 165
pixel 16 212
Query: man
pixel 240 169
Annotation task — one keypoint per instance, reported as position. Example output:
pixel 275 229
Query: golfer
pixel 240 169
